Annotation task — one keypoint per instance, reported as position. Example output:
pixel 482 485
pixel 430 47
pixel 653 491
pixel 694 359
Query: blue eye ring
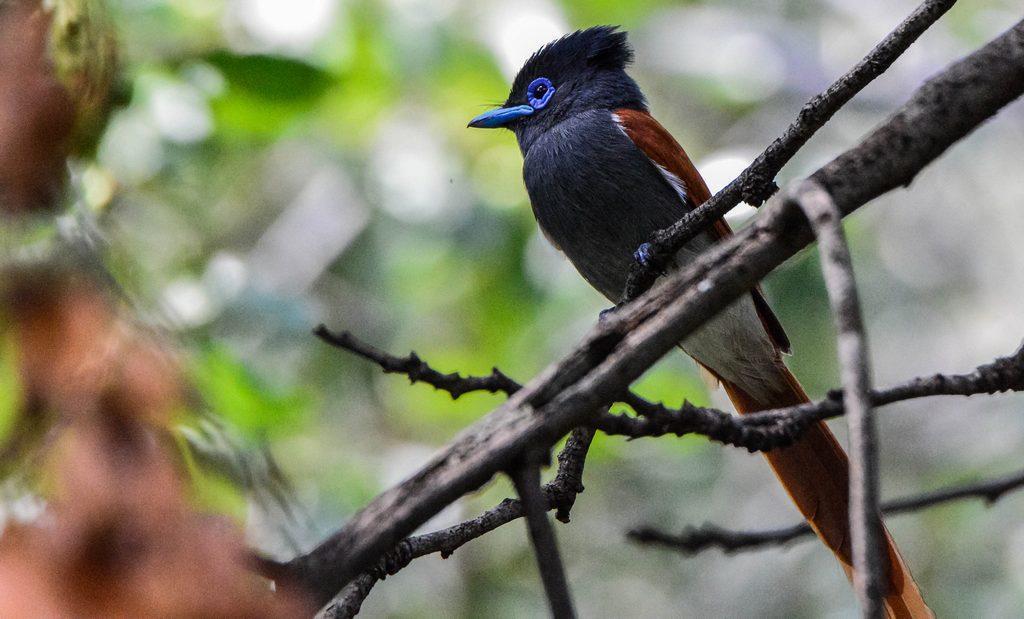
pixel 539 92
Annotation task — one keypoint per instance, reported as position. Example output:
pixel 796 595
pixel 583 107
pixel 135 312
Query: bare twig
pixel 559 494
pixel 542 535
pixel 762 431
pixel 781 427
pixel 869 562
pixel 620 348
pixel 417 370
pixel 695 539
pixel 658 419
pixel 757 182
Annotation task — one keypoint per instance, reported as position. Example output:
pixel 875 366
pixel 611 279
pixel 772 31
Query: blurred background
pixel 282 163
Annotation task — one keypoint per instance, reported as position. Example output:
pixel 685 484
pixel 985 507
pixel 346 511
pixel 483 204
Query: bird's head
pixel 580 72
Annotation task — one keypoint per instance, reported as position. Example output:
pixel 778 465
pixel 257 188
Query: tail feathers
pixel 815 473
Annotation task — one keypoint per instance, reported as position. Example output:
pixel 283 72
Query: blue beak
pixel 500 117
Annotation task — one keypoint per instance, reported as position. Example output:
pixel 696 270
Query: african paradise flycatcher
pixel 603 175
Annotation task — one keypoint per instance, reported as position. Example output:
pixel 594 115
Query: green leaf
pixel 265 94
pixel 272 78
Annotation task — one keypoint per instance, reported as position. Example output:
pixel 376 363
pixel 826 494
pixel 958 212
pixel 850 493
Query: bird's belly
pixel 736 347
pixel 733 344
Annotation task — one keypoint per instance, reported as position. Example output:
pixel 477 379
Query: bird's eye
pixel 539 92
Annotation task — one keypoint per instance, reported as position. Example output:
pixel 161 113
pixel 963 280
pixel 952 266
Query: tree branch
pixel 757 182
pixel 759 432
pixel 696 539
pixel 781 427
pixel 621 347
pixel 869 562
pixel 542 535
pixel 418 370
pixel 559 494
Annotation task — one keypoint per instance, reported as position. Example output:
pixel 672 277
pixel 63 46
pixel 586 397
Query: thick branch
pixel 696 539
pixel 757 182
pixel 869 562
pixel 621 347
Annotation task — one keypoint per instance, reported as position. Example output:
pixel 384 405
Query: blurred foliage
pixel 238 395
pixel 111 532
pixel 84 52
pixel 265 94
pixel 10 388
pixel 282 163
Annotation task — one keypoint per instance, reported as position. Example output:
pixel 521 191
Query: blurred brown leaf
pixel 119 537
pixel 58 67
pixel 36 114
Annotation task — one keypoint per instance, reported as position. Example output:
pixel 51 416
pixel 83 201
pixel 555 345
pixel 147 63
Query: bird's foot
pixel 643 254
pixel 605 313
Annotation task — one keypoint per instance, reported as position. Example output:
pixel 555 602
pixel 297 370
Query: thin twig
pixel 693 540
pixel 545 546
pixel 560 495
pixel 457 385
pixel 762 431
pixel 757 182
pixel 781 427
pixel 696 539
pixel 869 562
pixel 417 370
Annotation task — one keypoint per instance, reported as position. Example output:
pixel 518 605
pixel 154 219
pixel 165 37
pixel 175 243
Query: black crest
pixel 594 49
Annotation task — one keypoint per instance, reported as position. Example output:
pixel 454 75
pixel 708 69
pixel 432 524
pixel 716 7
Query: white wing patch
pixel 676 182
pixel 618 123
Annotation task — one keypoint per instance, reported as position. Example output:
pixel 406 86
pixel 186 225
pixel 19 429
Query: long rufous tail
pixel 815 473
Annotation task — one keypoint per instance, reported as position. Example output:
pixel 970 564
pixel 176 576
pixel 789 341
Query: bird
pixel 602 177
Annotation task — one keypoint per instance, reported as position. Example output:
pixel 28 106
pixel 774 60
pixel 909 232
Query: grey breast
pixel 597 196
